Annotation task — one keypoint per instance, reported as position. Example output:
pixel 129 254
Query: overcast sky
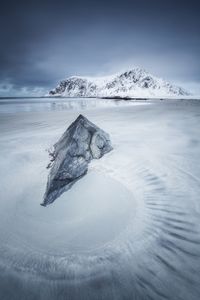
pixel 42 42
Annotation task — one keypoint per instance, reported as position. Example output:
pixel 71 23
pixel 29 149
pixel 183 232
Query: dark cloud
pixel 45 41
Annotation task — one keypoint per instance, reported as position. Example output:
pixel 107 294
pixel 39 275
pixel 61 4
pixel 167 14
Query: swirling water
pixel 128 230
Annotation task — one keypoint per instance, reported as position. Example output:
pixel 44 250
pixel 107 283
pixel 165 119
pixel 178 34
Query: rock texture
pixel 132 83
pixel 81 142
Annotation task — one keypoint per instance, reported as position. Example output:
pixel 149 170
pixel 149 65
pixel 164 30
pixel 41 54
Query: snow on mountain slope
pixel 134 83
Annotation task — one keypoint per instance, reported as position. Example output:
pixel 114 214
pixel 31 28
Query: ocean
pixel 129 229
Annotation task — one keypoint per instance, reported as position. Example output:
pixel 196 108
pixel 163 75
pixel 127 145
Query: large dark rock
pixel 80 143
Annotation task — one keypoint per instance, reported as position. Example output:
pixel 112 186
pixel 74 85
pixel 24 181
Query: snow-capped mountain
pixel 133 83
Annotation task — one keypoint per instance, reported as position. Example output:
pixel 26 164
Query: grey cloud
pixel 45 41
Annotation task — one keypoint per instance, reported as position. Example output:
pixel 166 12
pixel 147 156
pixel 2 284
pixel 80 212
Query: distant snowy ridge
pixel 133 83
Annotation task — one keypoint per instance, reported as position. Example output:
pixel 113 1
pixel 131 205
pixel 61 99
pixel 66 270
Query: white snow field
pixel 129 229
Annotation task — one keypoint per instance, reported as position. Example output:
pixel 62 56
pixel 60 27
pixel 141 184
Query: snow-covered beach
pixel 129 229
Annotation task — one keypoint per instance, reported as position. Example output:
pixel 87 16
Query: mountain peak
pixel 135 82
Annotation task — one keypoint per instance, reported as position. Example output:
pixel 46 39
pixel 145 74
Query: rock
pixel 80 143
